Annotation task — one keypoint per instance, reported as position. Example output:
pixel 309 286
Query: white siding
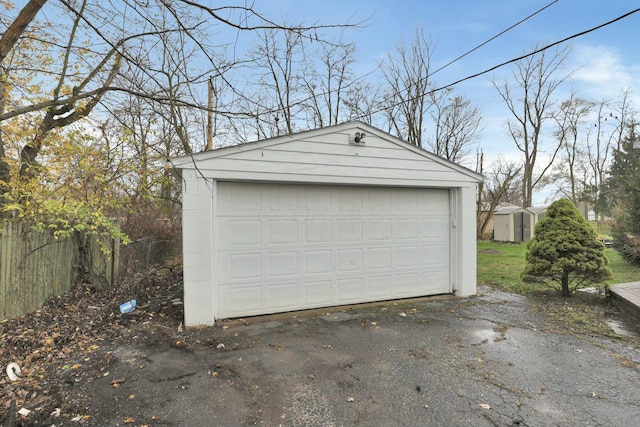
pixel 223 247
pixel 329 158
pixel 197 236
pixel 503 228
pixel 465 261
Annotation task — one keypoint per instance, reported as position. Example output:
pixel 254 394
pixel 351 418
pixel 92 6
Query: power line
pixel 495 67
pixel 275 110
pixel 429 75
pixel 492 38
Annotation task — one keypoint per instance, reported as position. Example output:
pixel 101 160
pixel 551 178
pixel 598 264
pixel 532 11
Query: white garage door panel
pixel 380 286
pixel 290 247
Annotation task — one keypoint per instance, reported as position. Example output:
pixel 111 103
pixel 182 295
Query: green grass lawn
pixel 500 265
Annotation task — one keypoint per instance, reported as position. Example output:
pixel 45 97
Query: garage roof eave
pixel 332 137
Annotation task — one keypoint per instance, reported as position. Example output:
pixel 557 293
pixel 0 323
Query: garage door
pixel 290 247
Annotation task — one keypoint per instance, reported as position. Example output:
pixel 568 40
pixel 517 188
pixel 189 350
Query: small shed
pixel 339 215
pixel 538 213
pixel 512 224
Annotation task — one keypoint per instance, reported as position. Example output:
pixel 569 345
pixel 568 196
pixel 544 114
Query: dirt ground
pixel 494 359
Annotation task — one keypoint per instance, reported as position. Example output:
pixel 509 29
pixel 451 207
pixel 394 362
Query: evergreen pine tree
pixel 622 198
pixel 565 252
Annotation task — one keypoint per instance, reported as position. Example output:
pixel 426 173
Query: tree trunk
pixel 15 30
pixel 5 172
pixel 527 186
pixel 565 284
pixel 30 151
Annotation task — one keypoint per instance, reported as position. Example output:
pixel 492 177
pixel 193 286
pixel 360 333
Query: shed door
pixel 286 247
pixel 521 227
pixel 526 226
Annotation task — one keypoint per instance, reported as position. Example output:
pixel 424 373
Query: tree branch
pixel 18 26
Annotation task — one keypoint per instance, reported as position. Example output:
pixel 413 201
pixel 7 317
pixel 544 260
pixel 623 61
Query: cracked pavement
pixel 481 361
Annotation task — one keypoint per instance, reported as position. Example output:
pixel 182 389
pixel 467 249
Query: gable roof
pixel 325 155
pixel 508 210
pixel 537 209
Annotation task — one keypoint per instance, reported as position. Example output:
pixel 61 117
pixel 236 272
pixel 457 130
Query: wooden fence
pixel 35 266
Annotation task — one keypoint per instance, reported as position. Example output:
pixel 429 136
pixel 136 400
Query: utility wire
pixel 275 110
pixel 428 76
pixel 495 67
pixel 491 39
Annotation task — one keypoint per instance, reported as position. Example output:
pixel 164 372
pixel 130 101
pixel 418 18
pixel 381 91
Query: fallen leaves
pixel 367 323
pixel 54 344
pixel 64 343
pixel 117 381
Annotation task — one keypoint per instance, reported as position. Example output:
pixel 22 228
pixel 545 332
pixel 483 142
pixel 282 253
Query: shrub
pixel 565 252
pixel 628 247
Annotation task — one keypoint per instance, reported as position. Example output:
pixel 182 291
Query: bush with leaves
pixel 627 246
pixel 64 219
pixel 565 252
pixel 77 188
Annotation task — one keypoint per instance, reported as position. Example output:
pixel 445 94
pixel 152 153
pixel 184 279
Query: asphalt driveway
pixel 481 361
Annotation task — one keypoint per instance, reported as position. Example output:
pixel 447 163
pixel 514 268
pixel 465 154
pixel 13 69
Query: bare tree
pixel 457 127
pixel 142 151
pixel 407 77
pixel 481 214
pixel 613 118
pixel 280 60
pixel 529 98
pixel 500 186
pixel 177 82
pixel 327 83
pixel 97 49
pixel 570 118
pixel 362 102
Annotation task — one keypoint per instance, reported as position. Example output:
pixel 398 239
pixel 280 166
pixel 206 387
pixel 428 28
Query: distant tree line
pixel 95 97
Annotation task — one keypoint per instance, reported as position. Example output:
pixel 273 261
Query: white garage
pixel 323 218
